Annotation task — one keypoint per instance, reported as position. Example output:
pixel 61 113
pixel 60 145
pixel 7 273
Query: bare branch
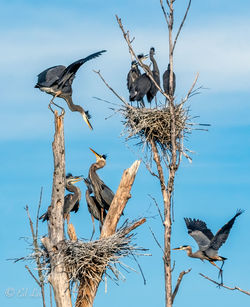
pixel 190 91
pixel 181 25
pixel 113 91
pixel 224 286
pixel 157 242
pixel 164 12
pixel 157 208
pixel 38 210
pixel 37 281
pixel 179 282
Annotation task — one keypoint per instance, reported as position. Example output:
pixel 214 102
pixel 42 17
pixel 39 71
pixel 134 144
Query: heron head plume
pixel 142 57
pixel 152 51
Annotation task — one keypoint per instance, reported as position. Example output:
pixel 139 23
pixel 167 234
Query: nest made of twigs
pixel 154 125
pixel 84 261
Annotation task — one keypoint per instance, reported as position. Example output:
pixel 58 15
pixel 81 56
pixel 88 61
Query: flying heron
pixel 93 206
pixel 71 200
pixel 207 242
pixel 143 85
pixel 57 81
pixel 102 192
pixel 166 80
pixel 133 74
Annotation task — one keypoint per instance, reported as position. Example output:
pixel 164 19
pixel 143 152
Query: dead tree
pixel 162 131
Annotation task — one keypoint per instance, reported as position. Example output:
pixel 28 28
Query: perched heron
pixel 133 74
pixel 156 75
pixel 102 192
pixel 93 206
pixel 57 81
pixel 166 79
pixel 207 242
pixel 71 200
pixel 143 85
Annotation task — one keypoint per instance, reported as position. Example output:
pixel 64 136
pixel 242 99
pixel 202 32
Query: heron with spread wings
pixel 207 242
pixel 57 81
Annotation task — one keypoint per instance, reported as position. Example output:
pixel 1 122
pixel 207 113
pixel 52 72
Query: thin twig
pixel 157 242
pixel 178 283
pixel 224 286
pixel 38 210
pixel 157 208
pixel 181 25
pixel 164 12
pixel 37 281
pixel 112 90
pixel 190 91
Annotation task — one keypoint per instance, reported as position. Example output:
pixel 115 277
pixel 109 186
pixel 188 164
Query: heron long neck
pixel 189 251
pixel 73 107
pixel 155 66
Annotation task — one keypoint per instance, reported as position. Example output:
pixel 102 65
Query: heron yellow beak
pixel 96 154
pixel 85 118
pixel 77 179
pixel 177 248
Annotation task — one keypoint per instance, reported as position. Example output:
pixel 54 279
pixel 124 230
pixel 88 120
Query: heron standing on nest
pixel 71 200
pixel 93 206
pixel 143 85
pixel 57 81
pixel 133 74
pixel 102 192
pixel 207 242
pixel 166 81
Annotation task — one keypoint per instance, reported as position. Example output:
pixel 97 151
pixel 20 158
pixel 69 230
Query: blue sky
pixel 214 42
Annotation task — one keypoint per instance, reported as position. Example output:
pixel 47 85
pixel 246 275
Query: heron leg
pixel 52 102
pixel 142 104
pixel 220 270
pixel 93 222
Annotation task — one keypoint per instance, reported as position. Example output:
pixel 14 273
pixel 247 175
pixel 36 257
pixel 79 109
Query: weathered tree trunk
pixel 87 291
pixel 57 277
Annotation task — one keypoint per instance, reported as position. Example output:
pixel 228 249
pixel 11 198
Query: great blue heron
pixel 207 242
pixel 57 81
pixel 102 192
pixel 93 206
pixel 133 74
pixel 71 200
pixel 166 79
pixel 156 75
pixel 143 84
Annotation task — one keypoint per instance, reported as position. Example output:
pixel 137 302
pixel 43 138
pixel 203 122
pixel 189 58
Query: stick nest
pixel 154 125
pixel 85 260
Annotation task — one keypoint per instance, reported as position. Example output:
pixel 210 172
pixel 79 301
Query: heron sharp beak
pixel 96 154
pixel 85 118
pixel 177 248
pixel 77 179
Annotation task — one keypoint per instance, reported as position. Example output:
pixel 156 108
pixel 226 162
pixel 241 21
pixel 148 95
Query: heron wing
pixel 198 230
pixel 50 76
pixel 71 70
pixel 107 195
pixel 166 77
pixel 222 234
pixel 142 86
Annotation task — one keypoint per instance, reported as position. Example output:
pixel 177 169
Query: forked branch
pixel 179 282
pixel 224 286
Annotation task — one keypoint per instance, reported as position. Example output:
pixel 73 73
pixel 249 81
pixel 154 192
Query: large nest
pixel 84 261
pixel 153 125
